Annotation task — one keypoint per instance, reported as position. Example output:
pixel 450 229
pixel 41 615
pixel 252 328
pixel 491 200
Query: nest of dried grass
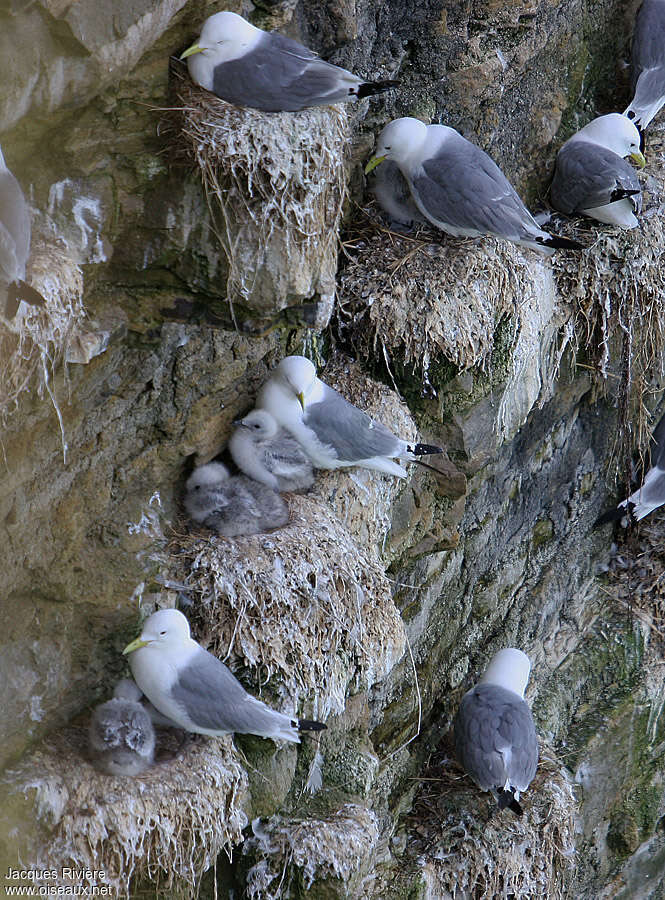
pixel 466 847
pixel 31 352
pixel 338 846
pixel 167 825
pixel 617 288
pixel 422 296
pixel 305 603
pixel 275 185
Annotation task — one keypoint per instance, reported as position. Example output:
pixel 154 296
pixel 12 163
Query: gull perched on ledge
pixel 196 691
pixel 264 70
pixel 333 432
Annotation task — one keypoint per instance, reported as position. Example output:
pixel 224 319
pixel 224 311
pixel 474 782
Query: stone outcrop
pixel 381 601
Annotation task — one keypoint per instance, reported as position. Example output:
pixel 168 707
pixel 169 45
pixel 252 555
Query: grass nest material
pixel 339 846
pixel 466 847
pixel 304 603
pixel 617 290
pixel 275 185
pixel 38 341
pixel 420 296
pixel 167 825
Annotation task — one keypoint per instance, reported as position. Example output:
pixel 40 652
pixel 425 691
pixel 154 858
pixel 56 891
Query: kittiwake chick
pixel 267 453
pixel 121 738
pixel 232 506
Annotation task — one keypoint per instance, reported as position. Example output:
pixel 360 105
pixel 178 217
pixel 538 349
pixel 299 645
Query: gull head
pixel 223 37
pixel 298 375
pixel 509 668
pixel 399 140
pixel 165 630
pixel 211 475
pixel 260 424
pixel 617 133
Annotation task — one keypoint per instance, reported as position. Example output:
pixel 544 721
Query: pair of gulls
pixel 300 423
pixel 452 183
pixel 189 688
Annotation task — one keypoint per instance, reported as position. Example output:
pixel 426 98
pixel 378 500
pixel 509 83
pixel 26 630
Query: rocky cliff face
pixel 168 300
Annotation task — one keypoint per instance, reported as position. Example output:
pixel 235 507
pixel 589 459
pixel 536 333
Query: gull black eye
pixel 162 632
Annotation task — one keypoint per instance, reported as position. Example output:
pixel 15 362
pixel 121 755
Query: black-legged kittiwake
pixel 593 178
pixel 650 494
pixel 265 70
pixel 232 506
pixel 191 687
pixel 268 453
pixel 393 195
pixel 648 63
pixel 121 739
pixel 457 187
pixel 495 736
pixel 331 431
pixel 14 245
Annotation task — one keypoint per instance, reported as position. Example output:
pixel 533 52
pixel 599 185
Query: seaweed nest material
pixel 465 846
pixel 167 825
pixel 304 603
pixel 275 185
pixel 40 336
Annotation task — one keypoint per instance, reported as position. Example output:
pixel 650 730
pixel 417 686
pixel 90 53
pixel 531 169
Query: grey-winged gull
pixel 265 70
pixel 333 432
pixel 192 688
pixel 14 245
pixel 457 187
pixel 232 505
pixel 268 453
pixel 121 739
pixel 650 494
pixel 593 178
pixel 648 63
pixel 495 736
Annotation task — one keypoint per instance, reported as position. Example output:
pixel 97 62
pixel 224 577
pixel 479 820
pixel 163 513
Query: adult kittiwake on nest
pixel 651 493
pixel 495 737
pixel 648 63
pixel 264 70
pixel 331 431
pixel 457 187
pixel 192 688
pixel 593 178
pixel 14 245
pixel 268 453
pixel 232 506
pixel 121 739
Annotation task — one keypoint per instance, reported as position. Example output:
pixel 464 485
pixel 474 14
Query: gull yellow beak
pixel 190 51
pixel 301 400
pixel 638 159
pixel 135 645
pixel 373 163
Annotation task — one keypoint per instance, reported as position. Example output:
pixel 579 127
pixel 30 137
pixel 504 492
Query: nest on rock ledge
pixel 275 185
pixel 39 338
pixel 462 843
pixel 167 825
pixel 304 603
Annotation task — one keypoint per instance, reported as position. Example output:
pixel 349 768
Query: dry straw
pixel 275 184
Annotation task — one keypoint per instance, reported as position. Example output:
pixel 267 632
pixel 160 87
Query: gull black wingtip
pixel 560 243
pixel 369 88
pixel 426 449
pixel 507 801
pixel 309 725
